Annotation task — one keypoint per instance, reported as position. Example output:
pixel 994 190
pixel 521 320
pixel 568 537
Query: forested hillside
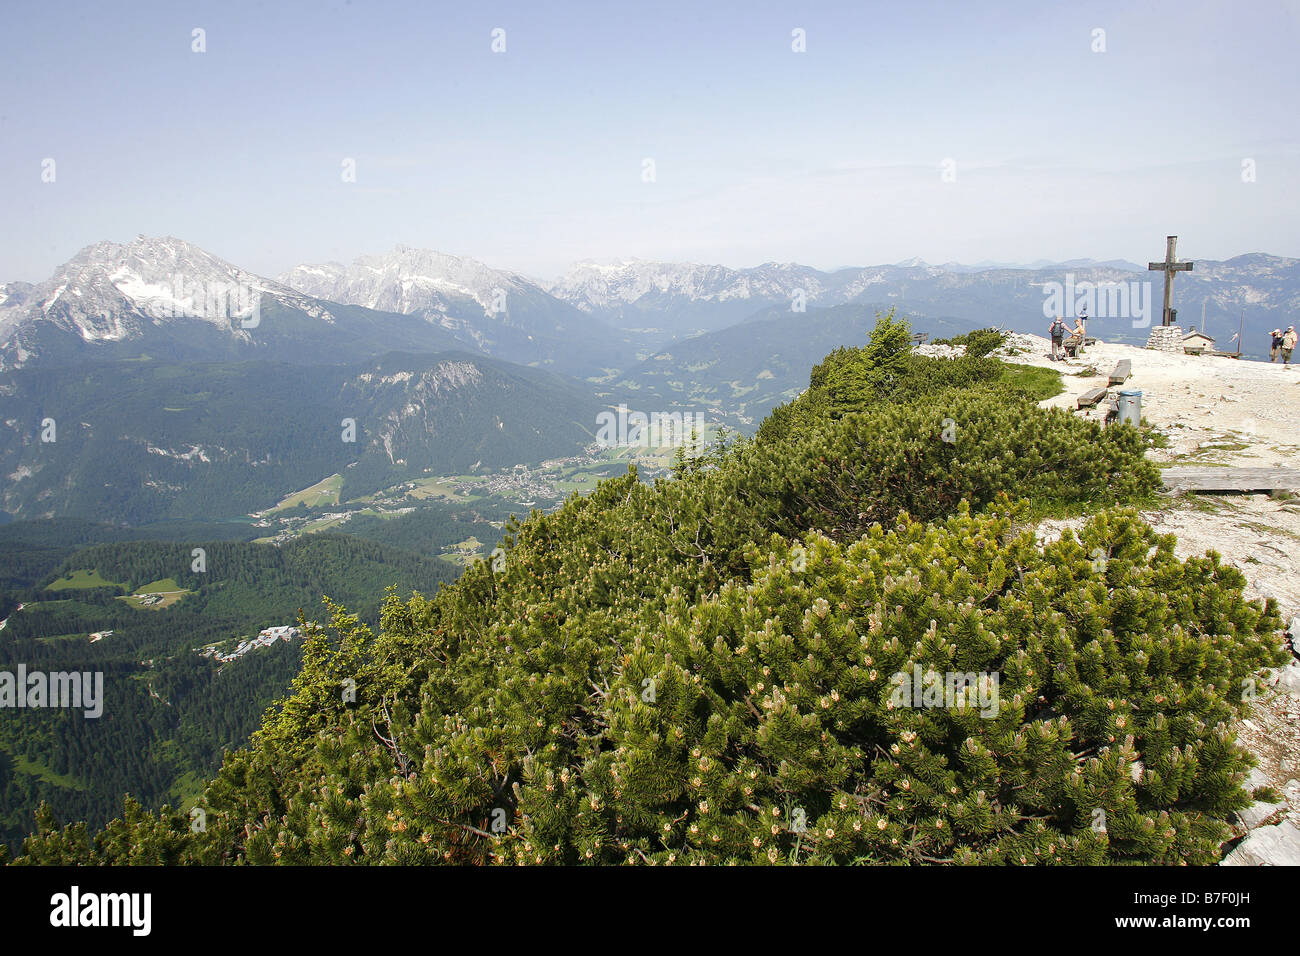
pixel 709 669
pixel 146 442
pixel 168 713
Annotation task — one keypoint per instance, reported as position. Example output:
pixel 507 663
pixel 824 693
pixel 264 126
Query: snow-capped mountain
pixel 171 299
pixel 502 313
pixel 683 299
pixel 594 285
pixel 410 281
pixel 686 298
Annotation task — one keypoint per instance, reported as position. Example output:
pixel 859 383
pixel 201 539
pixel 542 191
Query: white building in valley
pixel 265 638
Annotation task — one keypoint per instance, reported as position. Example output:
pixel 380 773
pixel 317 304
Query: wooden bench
pixel 1123 369
pixel 1091 397
pixel 1072 345
pixel 1212 480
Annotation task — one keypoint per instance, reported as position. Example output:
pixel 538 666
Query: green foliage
pixel 704 670
pixel 858 379
pixel 743 372
pixel 168 713
pixel 979 342
pixel 428 530
pixel 855 378
pixel 1032 381
pixel 925 457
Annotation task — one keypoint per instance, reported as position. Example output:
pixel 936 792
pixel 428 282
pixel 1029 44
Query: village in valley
pixel 265 638
pixel 518 489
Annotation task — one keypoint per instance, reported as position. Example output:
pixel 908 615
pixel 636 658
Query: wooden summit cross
pixel 1169 267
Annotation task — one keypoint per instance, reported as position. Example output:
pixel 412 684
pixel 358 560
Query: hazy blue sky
pixel 533 158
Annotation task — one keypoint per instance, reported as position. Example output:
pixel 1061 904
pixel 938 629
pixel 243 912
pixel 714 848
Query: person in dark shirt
pixel 1057 332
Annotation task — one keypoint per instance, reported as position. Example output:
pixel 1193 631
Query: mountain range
pixel 168 300
pixel 499 313
pixel 679 300
pixel 183 387
pixel 147 298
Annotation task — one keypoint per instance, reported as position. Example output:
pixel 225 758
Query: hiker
pixel 1275 345
pixel 1057 332
pixel 1288 343
pixel 1074 344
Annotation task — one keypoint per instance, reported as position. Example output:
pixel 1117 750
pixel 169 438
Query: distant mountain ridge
pixel 150 298
pixel 169 300
pixel 501 313
pixel 685 298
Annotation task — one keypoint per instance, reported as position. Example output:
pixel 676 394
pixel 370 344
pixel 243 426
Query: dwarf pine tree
pixel 838 642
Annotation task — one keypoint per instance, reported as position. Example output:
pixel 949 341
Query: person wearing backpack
pixel 1057 332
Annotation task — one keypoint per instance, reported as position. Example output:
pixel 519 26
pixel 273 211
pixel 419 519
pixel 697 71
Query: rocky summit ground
pixel 1216 411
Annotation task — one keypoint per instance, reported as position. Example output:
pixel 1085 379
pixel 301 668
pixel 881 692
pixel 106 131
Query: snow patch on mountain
pixel 112 292
pixel 594 285
pixel 411 281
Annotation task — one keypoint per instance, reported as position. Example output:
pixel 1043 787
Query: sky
pixel 691 131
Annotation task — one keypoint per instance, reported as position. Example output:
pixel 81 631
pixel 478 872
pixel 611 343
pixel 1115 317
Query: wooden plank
pixel 1231 479
pixel 1123 370
pixel 1091 397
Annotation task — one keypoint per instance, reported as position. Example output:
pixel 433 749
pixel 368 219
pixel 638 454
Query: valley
pixel 387 424
pixel 188 666
pixel 517 490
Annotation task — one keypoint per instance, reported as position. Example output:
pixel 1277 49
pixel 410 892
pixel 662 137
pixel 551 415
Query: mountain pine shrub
pixel 766 660
pixel 763 722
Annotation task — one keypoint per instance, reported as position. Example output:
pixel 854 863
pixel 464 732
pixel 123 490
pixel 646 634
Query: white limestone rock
pixel 1268 846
